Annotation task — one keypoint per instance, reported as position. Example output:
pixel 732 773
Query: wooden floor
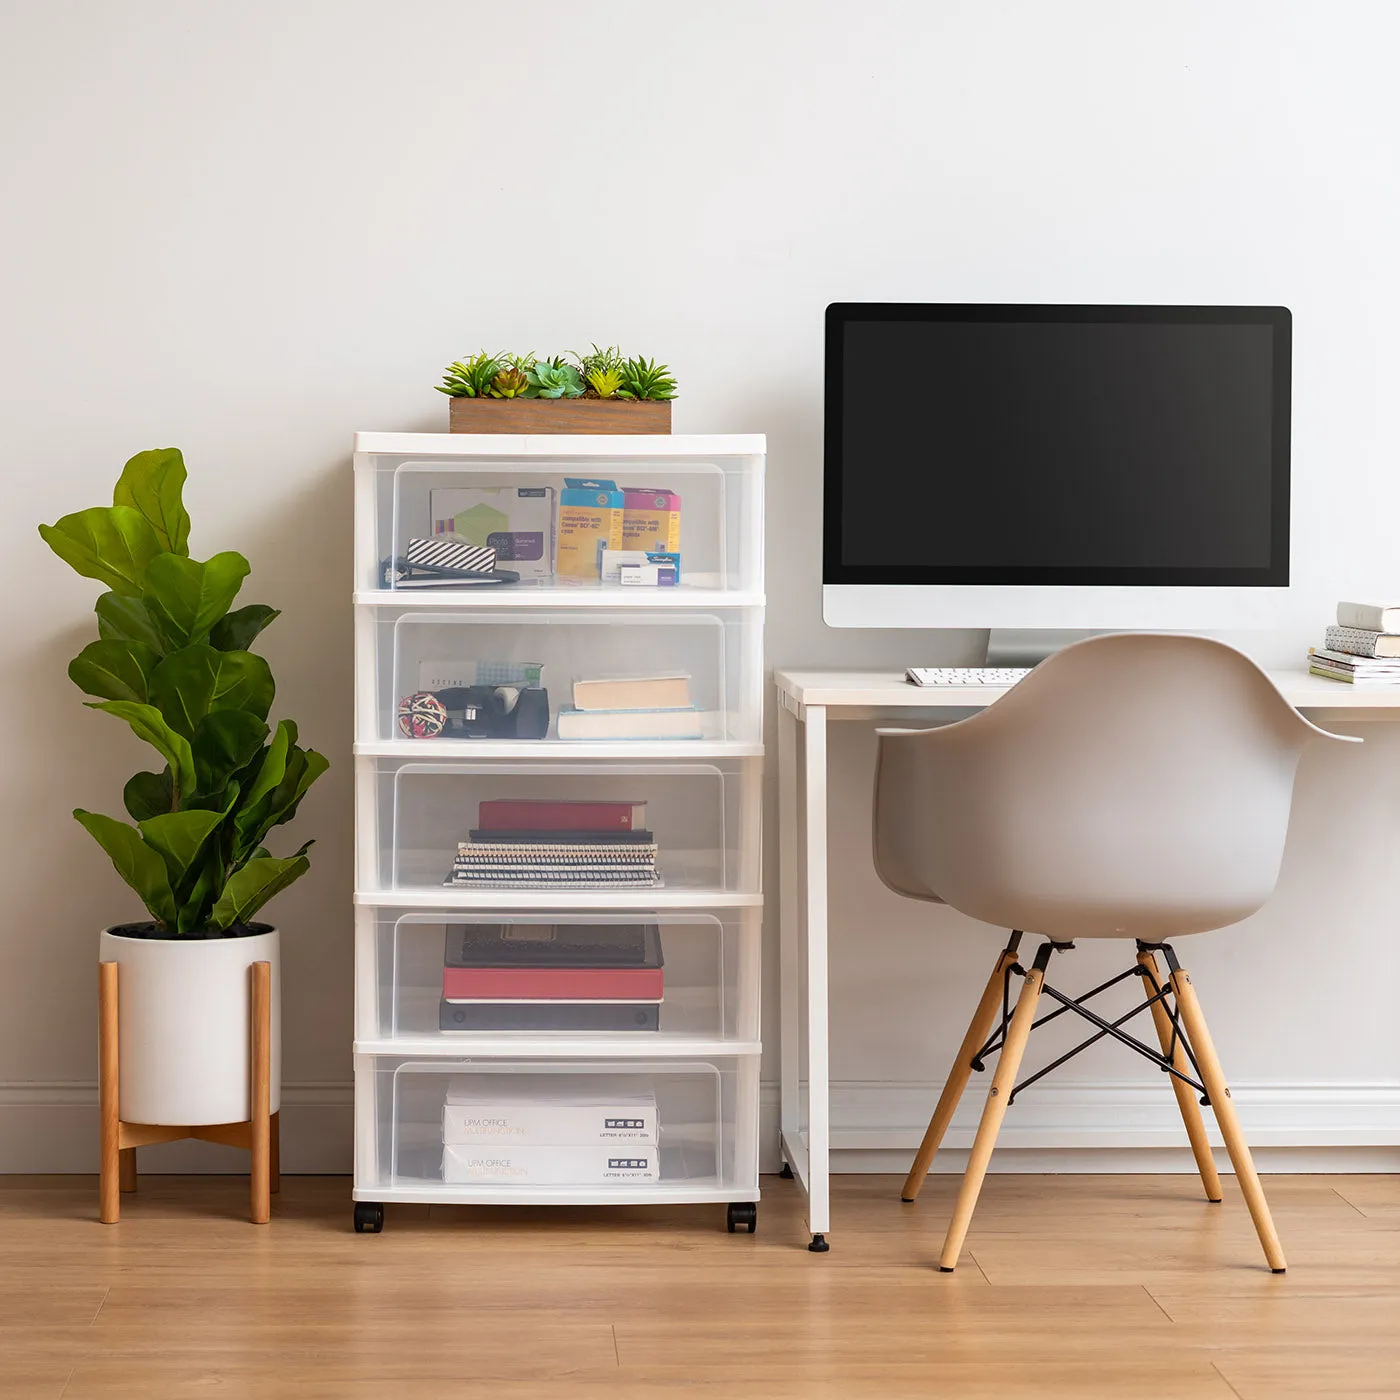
pixel 1070 1286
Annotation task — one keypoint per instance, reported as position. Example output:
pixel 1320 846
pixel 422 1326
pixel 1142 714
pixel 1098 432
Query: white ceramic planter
pixel 184 1040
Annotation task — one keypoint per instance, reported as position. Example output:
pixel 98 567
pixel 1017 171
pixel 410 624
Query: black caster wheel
pixel 819 1244
pixel 787 1172
pixel 369 1217
pixel 742 1213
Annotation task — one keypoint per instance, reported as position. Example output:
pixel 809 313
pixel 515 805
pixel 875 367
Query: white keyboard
pixel 966 675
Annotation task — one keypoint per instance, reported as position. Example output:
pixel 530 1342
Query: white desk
pixel 810 699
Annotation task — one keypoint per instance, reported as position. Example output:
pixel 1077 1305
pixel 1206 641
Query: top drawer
pixel 402 497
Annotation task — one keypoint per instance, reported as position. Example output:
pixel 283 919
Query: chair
pixel 1132 786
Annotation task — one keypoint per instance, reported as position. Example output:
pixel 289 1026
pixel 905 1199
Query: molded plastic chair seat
pixel 1132 786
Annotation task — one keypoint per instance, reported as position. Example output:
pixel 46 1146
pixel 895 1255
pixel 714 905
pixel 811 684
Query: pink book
pixel 552 983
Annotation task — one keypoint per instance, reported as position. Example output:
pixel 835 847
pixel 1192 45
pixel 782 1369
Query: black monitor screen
pixel 1057 444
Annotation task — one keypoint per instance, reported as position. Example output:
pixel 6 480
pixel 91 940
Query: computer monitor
pixel 1056 466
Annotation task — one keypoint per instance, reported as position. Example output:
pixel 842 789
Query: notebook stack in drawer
pixel 559 977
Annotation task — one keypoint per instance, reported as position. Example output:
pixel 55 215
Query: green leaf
pixel 152 483
pixel 187 597
pixel 137 864
pixel 196 910
pixel 113 544
pixel 179 838
pixel 196 680
pixel 114 670
pixel 255 819
pixel 149 724
pixel 121 619
pixel 247 890
pixel 148 795
pixel 237 631
pixel 224 742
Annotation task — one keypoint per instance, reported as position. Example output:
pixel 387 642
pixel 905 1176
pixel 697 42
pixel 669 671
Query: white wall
pixel 250 228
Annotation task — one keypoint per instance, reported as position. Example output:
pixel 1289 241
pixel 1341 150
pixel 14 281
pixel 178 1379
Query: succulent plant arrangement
pixel 603 373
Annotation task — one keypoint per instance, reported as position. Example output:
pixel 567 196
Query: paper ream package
pixel 516 521
pixel 651 518
pixel 550 1165
pixel 590 521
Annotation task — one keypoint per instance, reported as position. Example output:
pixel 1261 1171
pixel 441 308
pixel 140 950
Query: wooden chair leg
pixel 127 1169
pixel 1185 1095
pixel 953 1086
pixel 1003 1081
pixel 109 1182
pixel 1219 1094
pixel 260 1131
pixel 274 1167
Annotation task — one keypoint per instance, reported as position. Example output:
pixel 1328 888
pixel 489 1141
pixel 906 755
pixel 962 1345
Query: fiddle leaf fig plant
pixel 172 661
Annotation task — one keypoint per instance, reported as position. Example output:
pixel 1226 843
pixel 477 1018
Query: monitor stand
pixel 1011 646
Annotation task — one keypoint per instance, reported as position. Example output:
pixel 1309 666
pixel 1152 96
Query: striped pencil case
pixel 443 554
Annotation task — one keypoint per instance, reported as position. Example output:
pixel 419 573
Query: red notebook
pixel 552 983
pixel 527 814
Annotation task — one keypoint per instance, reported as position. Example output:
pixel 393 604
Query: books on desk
pixel 1363 648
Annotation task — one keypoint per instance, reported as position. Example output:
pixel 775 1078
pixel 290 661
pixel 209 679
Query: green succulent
pixel 599 361
pixel 469 379
pixel 509 383
pixel 554 381
pixel 524 363
pixel 605 382
pixel 645 379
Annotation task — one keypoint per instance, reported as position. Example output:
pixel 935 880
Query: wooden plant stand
pixel 120 1139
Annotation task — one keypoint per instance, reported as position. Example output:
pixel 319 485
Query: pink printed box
pixel 651 519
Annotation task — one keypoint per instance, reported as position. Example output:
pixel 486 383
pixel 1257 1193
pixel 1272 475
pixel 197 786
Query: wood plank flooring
pixel 1079 1287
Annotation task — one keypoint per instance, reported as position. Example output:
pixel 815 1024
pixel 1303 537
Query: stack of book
pixel 1363 648
pixel 636 707
pixel 533 1130
pixel 552 977
pixel 543 844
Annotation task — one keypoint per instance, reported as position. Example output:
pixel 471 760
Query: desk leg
pixel 789 965
pixel 818 1096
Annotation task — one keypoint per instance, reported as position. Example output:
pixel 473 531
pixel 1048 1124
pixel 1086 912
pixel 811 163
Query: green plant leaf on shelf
pixel 645 379
pixel 240 628
pixel 113 544
pixel 114 670
pixel 141 867
pixel 123 619
pixel 196 680
pixel 509 384
pixel 149 724
pixel 469 378
pixel 186 598
pixel 606 383
pixel 549 381
pixel 248 889
pixel 152 483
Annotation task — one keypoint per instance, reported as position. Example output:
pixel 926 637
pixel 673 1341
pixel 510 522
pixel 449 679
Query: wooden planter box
pixel 560 416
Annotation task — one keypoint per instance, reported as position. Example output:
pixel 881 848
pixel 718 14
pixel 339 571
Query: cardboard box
pixel 590 521
pixel 651 519
pixel 516 521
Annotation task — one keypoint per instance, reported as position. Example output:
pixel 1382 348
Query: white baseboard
pixel 52 1128
pixel 1067 1127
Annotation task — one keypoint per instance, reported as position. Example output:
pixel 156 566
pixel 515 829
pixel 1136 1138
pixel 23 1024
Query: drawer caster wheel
pixel 819 1244
pixel 742 1213
pixel 369 1217
pixel 787 1172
